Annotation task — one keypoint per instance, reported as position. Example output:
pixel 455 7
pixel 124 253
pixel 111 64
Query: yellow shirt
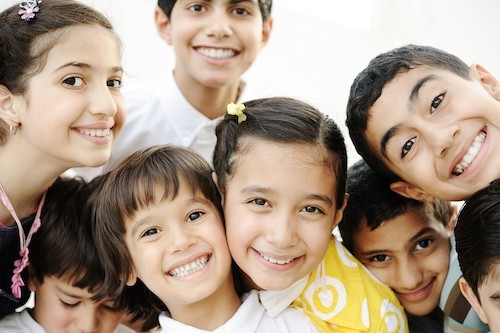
pixel 341 295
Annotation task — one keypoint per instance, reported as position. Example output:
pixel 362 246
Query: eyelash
pixel 195 216
pixel 69 306
pixel 406 147
pixel 436 102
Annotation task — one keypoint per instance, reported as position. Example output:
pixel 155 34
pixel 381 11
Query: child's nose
pixel 88 321
pixel 409 277
pixel 441 137
pixel 180 239
pixel 282 231
pixel 219 25
pixel 102 102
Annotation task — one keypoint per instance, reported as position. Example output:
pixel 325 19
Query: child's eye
pixel 241 11
pixel 150 232
pixel 74 81
pixel 194 216
pixel 436 102
pixel 422 244
pixel 259 202
pixel 380 257
pixel 114 83
pixel 111 307
pixel 407 147
pixel 312 209
pixel 196 8
pixel 69 305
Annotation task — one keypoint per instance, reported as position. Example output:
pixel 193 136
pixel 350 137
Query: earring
pixel 13 127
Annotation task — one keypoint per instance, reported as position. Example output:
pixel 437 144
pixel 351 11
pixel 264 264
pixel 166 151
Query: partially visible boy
pixel 428 122
pixel 215 43
pixel 478 247
pixel 65 271
pixel 406 244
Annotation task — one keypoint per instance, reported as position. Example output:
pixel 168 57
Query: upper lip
pixel 463 151
pixel 278 256
pixel 97 126
pixel 187 260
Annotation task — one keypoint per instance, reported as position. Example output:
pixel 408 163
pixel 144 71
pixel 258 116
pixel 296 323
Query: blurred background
pixel 318 46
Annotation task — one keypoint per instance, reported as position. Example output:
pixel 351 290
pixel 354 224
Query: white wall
pixel 316 51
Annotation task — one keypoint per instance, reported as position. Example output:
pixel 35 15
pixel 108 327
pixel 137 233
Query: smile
pixel 216 53
pixel 418 295
pixel 190 268
pixel 96 132
pixel 277 261
pixel 470 155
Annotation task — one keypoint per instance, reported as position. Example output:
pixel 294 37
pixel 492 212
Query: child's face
pixel 215 42
pixel 411 255
pixel 73 108
pixel 487 307
pixel 280 210
pixel 63 308
pixel 179 250
pixel 429 121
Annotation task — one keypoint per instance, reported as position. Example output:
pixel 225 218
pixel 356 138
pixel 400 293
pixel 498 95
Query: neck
pixel 211 312
pixel 209 101
pixel 24 181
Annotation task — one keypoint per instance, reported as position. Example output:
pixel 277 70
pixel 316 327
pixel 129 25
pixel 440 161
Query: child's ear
pixel 267 28
pixel 7 110
pixel 472 299
pixel 32 284
pixel 132 279
pixel 163 25
pixel 410 191
pixel 489 82
pixel 453 219
pixel 340 212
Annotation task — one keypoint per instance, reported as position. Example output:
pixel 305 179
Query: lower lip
pixel 418 296
pixel 99 140
pixel 277 267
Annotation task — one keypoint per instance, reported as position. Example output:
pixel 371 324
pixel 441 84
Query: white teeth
pixel 276 261
pixel 216 53
pixel 190 268
pixel 96 132
pixel 471 154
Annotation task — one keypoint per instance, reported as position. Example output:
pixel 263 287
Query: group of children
pixel 162 238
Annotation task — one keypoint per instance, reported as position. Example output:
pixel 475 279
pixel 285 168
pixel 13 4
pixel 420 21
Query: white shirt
pixel 22 322
pixel 158 113
pixel 251 317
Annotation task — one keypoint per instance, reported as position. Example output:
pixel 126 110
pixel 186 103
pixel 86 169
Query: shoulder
pixel 20 323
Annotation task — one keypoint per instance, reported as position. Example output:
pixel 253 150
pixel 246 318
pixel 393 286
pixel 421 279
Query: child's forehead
pixel 407 227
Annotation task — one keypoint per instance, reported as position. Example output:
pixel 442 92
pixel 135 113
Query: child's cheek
pixel 63 320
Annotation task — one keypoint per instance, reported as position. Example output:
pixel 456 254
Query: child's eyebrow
pixel 239 1
pixel 67 293
pixel 412 239
pixel 138 224
pixel 86 66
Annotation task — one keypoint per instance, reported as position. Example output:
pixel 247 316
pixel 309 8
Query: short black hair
pixel 477 235
pixel 264 5
pixel 371 201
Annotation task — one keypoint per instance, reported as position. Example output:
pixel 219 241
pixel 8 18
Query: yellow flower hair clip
pixel 237 110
